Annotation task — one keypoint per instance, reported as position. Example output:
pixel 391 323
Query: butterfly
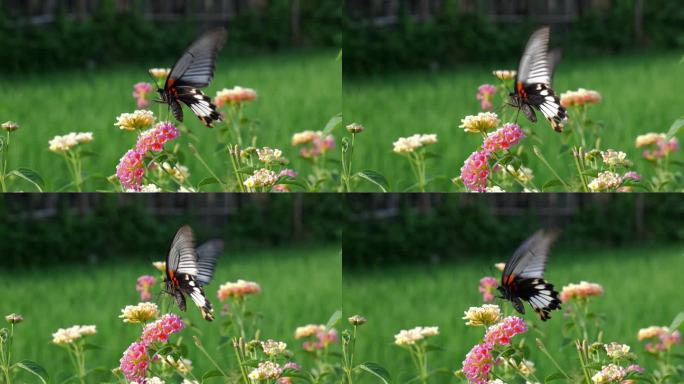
pixel 192 71
pixel 533 81
pixel 523 276
pixel 189 268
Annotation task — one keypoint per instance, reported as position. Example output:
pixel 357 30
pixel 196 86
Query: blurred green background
pixel 415 67
pixel 71 69
pixel 289 246
pixel 416 260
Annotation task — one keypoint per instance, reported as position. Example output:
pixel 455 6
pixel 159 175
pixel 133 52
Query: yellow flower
pixel 503 75
pixel 308 330
pixel 486 315
pixel 141 313
pixel 482 122
pixel 652 331
pixel 137 120
pixel 160 73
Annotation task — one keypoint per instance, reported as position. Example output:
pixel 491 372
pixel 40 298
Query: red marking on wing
pixel 509 279
pixel 521 90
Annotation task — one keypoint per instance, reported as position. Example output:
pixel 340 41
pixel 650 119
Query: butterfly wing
pixel 195 68
pixel 190 287
pixel 523 275
pixel 534 63
pixel 200 105
pixel 208 254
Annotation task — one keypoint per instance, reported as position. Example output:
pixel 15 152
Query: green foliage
pixel 452 38
pixel 458 228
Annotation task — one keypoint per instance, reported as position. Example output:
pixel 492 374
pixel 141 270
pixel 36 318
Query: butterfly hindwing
pixel 200 105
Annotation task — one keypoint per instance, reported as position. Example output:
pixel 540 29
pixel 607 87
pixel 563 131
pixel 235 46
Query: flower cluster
pixel 475 171
pixel 141 313
pixel 160 330
pixel 134 362
pixel 14 318
pixel 478 364
pixel 659 147
pixel 269 155
pixel 580 291
pixel 319 143
pixel 579 97
pixel 502 332
pixel 10 126
pixel 605 181
pixel 262 178
pixel 154 138
pixel 504 75
pixel 238 289
pixel 137 120
pixel 322 341
pixel 273 347
pixel 487 287
pixel 613 158
pixel 616 350
pixel 144 285
pixel 160 73
pixel 236 95
pixel 71 334
pixel 411 336
pixel 486 315
pixel 141 92
pixel 267 370
pixel 413 142
pixel 67 142
pixel 663 335
pixel 610 373
pixel 483 122
pixel 308 330
pixel 503 138
pixel 485 93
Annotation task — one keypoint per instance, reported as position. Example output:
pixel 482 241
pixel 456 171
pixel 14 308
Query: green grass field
pixel 296 92
pixel 299 286
pixel 640 290
pixel 640 94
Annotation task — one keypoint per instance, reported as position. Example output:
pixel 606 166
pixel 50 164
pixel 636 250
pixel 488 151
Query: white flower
pixel 139 119
pixel 68 141
pixel 605 181
pixel 613 158
pixel 482 122
pixel 487 314
pixel 273 347
pixel 71 334
pixel 616 350
pixel 262 178
pixel 413 142
pixel 140 313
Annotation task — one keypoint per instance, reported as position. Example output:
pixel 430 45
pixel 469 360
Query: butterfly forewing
pixel 208 254
pixel 534 64
pixel 182 256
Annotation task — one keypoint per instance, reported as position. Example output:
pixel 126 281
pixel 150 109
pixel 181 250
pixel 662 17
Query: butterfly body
pixel 189 268
pixel 533 82
pixel 523 277
pixel 194 70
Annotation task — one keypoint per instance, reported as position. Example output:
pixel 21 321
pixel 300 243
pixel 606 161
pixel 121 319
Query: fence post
pixel 295 21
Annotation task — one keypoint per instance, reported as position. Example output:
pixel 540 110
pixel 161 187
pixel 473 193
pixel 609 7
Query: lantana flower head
pixel 665 338
pixel 487 287
pixel 485 93
pixel 611 373
pixel 605 181
pixel 71 334
pixel 411 336
pixel 661 148
pixel 323 339
pixel 505 74
pixel 154 138
pixel 267 370
pixel 502 332
pixel 475 171
pixel 580 291
pixel 238 289
pixel 137 120
pixel 144 285
pixel 135 361
pixel 478 364
pixel 613 158
pixel 160 73
pixel 503 138
pixel 160 266
pixel 651 332
pixel 413 142
pixel 141 313
pixel 161 329
pixel 235 95
pixel 579 97
pixel 487 314
pixel 130 170
pixel 67 142
pixel 273 347
pixel 616 350
pixel 482 122
pixel 305 137
pixel 262 178
pixel 269 155
pixel 141 93
pixel 308 330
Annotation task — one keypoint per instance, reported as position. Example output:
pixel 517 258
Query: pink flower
pixel 287 173
pixel 478 363
pixel 635 368
pixel 141 93
pixel 160 330
pixel 323 340
pixel 130 170
pixel 663 149
pixel 292 365
pixel 487 286
pixel 501 333
pixel 154 138
pixel 134 362
pixel 503 138
pixel 475 171
pixel 282 188
pixel 484 94
pixel 145 282
pixel 631 175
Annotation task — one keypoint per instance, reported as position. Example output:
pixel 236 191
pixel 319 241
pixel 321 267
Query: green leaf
pixel 678 320
pixel 208 181
pixel 333 123
pixel 554 376
pixel 31 176
pixel 377 370
pixel 336 316
pixel 210 374
pixel 674 129
pixel 552 183
pixel 375 178
pixel 34 368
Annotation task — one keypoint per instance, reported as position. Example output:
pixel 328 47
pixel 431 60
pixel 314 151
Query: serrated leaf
pixel 674 129
pixel 377 370
pixel 552 183
pixel 333 123
pixel 334 318
pixel 34 368
pixel 31 176
pixel 375 178
pixel 554 376
pixel 678 320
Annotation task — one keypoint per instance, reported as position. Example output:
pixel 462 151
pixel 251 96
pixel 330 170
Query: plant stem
pixel 580 352
pixel 543 159
pixel 544 351
pixel 5 155
pixel 198 343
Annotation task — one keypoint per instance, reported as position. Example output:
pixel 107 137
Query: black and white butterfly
pixel 189 268
pixel 523 276
pixel 192 71
pixel 533 81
